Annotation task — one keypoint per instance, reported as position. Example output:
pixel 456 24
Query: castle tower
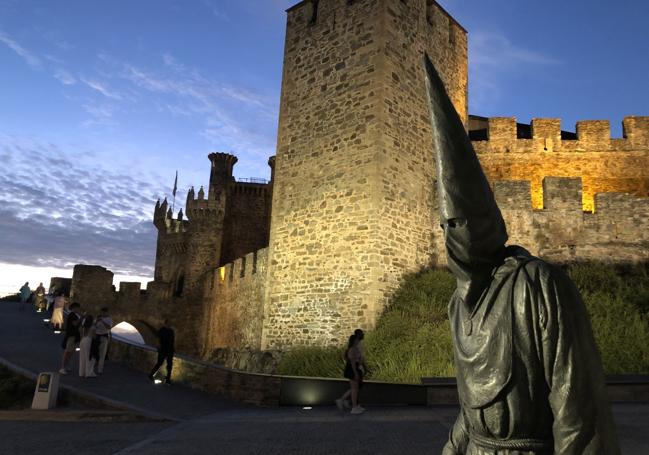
pixel 353 202
pixel 221 172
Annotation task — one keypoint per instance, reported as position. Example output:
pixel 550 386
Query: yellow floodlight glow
pixel 222 273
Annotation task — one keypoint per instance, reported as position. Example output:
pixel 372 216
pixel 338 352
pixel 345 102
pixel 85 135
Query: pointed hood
pixel 474 229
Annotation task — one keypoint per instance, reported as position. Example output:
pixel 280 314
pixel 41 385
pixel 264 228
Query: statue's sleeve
pixel 583 422
pixel 458 437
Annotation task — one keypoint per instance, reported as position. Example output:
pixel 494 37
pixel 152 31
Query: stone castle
pixel 351 206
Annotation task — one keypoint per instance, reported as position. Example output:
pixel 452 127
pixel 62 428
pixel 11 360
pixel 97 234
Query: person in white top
pixel 102 329
pixel 86 364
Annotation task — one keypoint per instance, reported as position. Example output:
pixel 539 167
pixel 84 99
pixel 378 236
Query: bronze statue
pixel 529 375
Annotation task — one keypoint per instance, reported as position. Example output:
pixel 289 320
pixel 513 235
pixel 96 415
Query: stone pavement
pixel 203 424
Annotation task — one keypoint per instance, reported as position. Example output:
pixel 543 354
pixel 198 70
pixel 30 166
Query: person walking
pixel 71 337
pixel 166 339
pixel 49 297
pixel 25 292
pixel 102 330
pixel 86 362
pixel 354 371
pixel 57 311
pixel 39 298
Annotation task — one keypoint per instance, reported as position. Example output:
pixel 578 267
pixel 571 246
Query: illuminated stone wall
pixel 604 164
pixel 352 203
pixel 617 231
pixel 236 292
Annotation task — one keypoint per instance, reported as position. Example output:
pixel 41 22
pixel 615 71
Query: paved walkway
pixel 203 424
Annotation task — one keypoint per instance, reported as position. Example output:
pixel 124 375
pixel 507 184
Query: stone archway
pixel 139 332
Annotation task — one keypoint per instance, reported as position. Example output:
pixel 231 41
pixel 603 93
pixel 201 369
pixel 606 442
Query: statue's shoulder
pixel 519 258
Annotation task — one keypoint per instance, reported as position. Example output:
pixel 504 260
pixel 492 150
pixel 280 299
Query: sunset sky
pixel 102 101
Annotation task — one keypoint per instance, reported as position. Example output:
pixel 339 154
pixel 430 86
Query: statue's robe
pixel 529 376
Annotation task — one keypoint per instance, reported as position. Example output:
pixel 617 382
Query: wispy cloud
pixel 101 114
pixel 496 50
pixel 64 76
pixel 231 117
pixel 101 88
pixel 492 59
pixel 67 212
pixel 27 56
pixel 216 11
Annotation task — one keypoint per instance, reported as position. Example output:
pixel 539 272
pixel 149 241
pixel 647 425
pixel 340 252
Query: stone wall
pixel 604 164
pixel 92 286
pixel 257 389
pixel 237 292
pixel 61 285
pixel 617 230
pixel 352 193
pixel 247 220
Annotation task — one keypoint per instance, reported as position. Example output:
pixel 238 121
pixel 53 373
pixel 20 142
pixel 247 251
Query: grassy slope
pixel 412 337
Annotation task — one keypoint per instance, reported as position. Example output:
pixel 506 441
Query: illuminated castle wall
pixel 351 207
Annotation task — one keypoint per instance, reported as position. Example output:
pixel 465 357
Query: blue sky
pixel 101 101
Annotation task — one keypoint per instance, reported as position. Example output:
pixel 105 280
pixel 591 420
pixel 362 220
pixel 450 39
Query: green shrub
pixel 412 337
pixel 313 361
pixel 16 392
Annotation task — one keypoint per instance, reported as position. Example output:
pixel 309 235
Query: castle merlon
pixel 241 268
pixel 310 11
pixel 503 136
pixel 564 194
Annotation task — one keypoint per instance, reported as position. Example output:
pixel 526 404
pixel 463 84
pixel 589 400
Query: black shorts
pixel 349 372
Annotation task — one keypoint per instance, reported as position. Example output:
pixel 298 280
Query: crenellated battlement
pixel 564 194
pixel 546 136
pixel 201 208
pixel 514 151
pixel 164 221
pixel 561 231
pixel 242 268
pixel 259 189
pixel 311 13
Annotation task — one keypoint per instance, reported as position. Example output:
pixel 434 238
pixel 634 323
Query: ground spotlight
pixel 307 407
pixel 46 320
pixel 157 381
pixel 78 349
pixel 57 332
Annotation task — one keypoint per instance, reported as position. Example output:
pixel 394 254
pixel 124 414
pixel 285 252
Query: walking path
pixel 203 424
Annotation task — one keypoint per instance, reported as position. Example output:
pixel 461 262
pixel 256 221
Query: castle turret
pixel 271 163
pixel 159 214
pixel 221 173
pixel 190 198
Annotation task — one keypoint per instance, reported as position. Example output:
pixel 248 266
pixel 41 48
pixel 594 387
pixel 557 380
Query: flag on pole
pixel 175 184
